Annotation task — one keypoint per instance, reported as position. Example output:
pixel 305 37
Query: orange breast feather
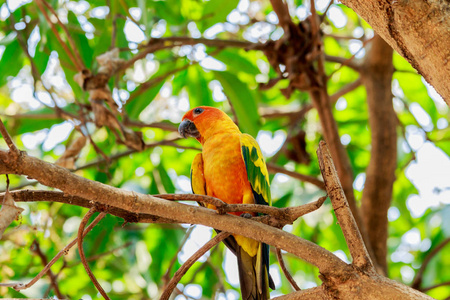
pixel 224 170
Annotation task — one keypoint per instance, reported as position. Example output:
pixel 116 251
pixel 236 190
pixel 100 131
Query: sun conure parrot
pixel 231 167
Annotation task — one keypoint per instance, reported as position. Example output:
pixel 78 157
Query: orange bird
pixel 231 167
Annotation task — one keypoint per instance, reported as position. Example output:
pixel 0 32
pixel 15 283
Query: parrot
pixel 231 168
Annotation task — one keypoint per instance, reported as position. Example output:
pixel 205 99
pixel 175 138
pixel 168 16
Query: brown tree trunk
pixel 418 30
pixel 377 73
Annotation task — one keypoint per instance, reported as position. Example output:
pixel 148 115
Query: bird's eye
pixel 198 111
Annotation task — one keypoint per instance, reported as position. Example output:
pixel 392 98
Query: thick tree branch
pixel 50 175
pixel 330 132
pixel 317 293
pixel 376 72
pixel 282 216
pixel 55 196
pixel 417 30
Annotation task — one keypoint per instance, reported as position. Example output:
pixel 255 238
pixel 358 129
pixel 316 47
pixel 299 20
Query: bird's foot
pixel 247 215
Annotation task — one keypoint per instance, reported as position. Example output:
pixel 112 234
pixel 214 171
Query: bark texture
pixel 418 30
pixel 340 280
pixel 377 73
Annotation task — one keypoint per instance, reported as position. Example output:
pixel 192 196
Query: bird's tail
pixel 254 273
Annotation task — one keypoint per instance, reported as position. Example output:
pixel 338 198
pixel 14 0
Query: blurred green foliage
pixel 206 75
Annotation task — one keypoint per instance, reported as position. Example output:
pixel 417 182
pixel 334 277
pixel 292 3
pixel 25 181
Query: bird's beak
pixel 187 128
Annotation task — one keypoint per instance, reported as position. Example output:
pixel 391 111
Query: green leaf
pixel 11 61
pixel 283 201
pixel 11 37
pixel 41 58
pixel 165 180
pixel 79 37
pixel 216 11
pixel 137 105
pixel 238 61
pixel 197 86
pixel 169 10
pixel 243 101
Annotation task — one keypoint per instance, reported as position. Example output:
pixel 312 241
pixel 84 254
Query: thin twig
pixel 153 81
pixel 68 35
pixel 37 249
pixel 435 286
pixel 156 44
pixel 185 267
pixel 100 255
pixel 20 286
pixel 347 62
pixel 81 250
pixel 346 89
pixel 14 150
pixel 306 178
pixel 233 111
pixel 418 278
pixel 166 276
pixel 326 11
pixel 285 270
pixel 58 37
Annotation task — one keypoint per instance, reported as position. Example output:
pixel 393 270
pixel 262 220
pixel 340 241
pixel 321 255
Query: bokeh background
pixel 46 111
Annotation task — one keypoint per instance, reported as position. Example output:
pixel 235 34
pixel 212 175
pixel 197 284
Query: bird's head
pixel 203 121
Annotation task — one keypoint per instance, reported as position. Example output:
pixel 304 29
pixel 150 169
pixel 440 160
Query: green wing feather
pixel 258 176
pixel 256 169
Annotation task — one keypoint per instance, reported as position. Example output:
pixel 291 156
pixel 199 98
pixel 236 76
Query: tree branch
pixel 37 249
pixel 21 286
pixel 55 196
pixel 81 250
pixel 361 258
pixel 166 276
pixel 417 31
pixel 8 140
pixel 277 169
pixel 316 293
pixel 69 53
pixel 417 282
pixel 435 286
pixel 156 44
pixel 376 72
pixel 68 35
pixel 185 267
pixel 346 89
pixel 285 270
pixel 51 175
pixel 282 216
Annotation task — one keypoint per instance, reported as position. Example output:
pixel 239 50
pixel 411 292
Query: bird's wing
pixel 198 183
pixel 258 177
pixel 255 165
